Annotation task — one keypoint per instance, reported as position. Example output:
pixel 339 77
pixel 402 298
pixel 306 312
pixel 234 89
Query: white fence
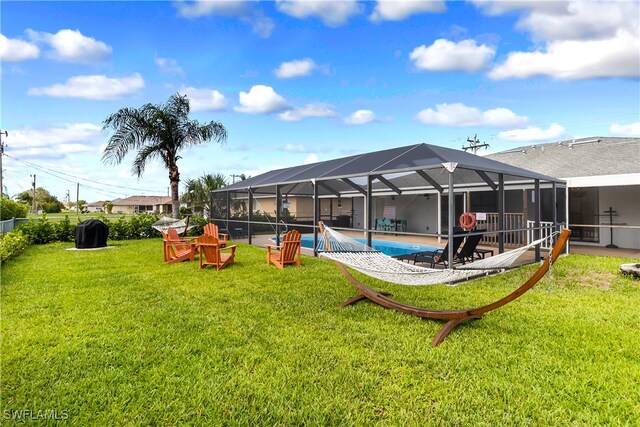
pixel 546 232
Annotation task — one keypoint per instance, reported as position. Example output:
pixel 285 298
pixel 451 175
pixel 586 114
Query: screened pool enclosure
pixel 416 190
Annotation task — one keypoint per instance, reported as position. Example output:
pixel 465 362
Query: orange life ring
pixel 467 221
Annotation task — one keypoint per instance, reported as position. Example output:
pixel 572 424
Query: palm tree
pixel 158 131
pixel 197 192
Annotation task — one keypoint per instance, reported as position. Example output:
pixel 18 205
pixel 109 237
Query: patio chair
pixel 468 250
pixel 211 229
pixel 288 252
pixel 439 256
pixel 176 248
pixel 210 252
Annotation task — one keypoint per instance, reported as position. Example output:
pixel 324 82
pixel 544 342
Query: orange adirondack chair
pixel 209 249
pixel 177 249
pixel 212 230
pixel 286 253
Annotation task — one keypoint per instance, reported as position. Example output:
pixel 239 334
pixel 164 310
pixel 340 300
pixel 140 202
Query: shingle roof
pixel 143 201
pixel 594 156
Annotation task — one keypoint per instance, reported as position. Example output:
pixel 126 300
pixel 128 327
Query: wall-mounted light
pixel 426 196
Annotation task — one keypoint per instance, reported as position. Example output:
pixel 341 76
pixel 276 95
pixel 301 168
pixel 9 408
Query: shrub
pixel 40 231
pixel 136 227
pixel 12 244
pixel 64 230
pixel 10 209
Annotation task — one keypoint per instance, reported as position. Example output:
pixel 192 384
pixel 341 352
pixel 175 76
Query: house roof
pixel 583 157
pixel 395 164
pixel 142 200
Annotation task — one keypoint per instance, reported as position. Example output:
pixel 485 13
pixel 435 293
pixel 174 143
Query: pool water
pixel 385 246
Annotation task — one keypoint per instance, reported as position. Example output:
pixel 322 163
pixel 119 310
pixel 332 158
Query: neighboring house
pixel 602 173
pixel 95 206
pixel 140 204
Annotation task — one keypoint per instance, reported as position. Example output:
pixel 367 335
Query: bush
pixel 198 222
pixel 137 227
pixel 64 230
pixel 12 244
pixel 40 231
pixel 10 209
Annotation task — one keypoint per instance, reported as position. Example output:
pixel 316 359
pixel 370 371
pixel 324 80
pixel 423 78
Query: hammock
pixel 348 251
pixel 180 225
pixel 357 255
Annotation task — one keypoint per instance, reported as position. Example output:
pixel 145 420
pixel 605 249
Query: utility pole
pixel 33 184
pixel 5 133
pixel 474 144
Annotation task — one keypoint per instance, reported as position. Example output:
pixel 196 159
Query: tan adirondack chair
pixel 212 230
pixel 210 252
pixel 176 248
pixel 287 253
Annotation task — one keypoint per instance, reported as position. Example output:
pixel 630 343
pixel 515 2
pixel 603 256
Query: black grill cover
pixel 91 234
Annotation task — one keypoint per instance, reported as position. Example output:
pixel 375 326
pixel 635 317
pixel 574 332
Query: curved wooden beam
pixel 454 317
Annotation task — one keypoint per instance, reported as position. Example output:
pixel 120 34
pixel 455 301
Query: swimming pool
pixel 385 246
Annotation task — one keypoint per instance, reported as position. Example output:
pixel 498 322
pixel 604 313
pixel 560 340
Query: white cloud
pixel 72 45
pixel 311 158
pixel 445 55
pixel 614 57
pixel 199 8
pixel 296 148
pixel 15 50
pixel 97 87
pixel 505 6
pixel 63 139
pixel 630 129
pixel 459 115
pixel 261 100
pixel 261 25
pixel 332 13
pixel 168 66
pixel 397 10
pixel 310 110
pixel 205 99
pixel 361 117
pixel 581 39
pixel 296 68
pixel 581 20
pixel 531 133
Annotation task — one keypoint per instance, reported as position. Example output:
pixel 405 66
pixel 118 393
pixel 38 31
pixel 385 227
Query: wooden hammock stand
pixel 453 317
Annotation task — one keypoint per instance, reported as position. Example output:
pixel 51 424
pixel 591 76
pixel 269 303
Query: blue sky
pixel 302 81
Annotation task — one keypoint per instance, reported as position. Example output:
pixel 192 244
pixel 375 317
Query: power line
pixel 56 173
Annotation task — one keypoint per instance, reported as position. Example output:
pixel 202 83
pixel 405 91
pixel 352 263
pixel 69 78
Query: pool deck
pixel 526 258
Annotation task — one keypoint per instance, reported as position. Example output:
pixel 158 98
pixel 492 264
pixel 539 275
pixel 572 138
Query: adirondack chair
pixel 287 253
pixel 212 230
pixel 176 248
pixel 210 252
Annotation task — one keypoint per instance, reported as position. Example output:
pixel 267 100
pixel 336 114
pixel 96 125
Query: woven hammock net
pixel 165 222
pixel 346 250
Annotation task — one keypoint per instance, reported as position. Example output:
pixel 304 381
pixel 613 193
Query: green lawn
pixel 117 337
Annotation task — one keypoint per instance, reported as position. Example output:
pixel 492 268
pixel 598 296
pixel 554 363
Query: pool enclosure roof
pixel 416 167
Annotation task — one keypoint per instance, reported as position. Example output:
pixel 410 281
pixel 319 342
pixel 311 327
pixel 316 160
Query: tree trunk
pixel 174 179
